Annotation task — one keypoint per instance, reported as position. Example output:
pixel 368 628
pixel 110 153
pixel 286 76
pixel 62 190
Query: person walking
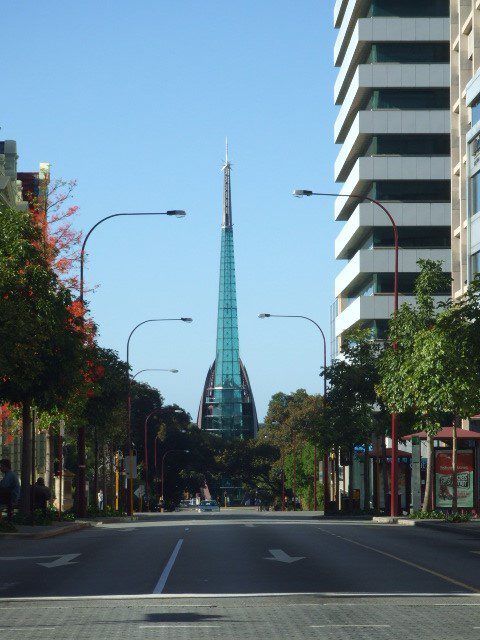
pixel 9 487
pixel 100 500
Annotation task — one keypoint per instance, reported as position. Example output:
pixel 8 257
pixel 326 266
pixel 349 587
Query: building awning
pixel 446 434
pixel 388 452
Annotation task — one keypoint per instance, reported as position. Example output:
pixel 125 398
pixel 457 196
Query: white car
pixel 207 506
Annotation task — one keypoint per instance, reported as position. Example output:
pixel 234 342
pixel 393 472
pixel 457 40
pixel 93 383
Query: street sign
pixel 140 492
pixel 130 463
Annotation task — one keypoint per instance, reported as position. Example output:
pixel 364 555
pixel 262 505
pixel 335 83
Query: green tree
pixel 409 383
pixel 41 346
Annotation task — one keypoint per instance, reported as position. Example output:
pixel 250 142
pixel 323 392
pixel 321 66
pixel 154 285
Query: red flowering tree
pixel 41 336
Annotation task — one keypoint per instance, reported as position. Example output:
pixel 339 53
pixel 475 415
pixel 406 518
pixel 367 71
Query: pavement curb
pixel 57 531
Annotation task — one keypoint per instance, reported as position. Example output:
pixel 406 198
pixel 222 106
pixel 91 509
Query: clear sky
pixel 134 100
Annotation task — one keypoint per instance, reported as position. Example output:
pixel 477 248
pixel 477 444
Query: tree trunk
pixel 337 481
pixel 427 499
pixel 104 478
pixel 50 458
pixel 95 467
pixel 350 475
pixel 26 470
pixel 454 464
pixel 385 476
pixel 366 480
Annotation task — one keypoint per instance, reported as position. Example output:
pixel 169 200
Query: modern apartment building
pixel 393 126
pixel 465 114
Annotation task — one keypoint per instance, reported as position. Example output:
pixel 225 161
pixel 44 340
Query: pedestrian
pixel 100 500
pixel 9 487
pixel 41 495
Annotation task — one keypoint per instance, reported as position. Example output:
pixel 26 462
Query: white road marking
pixel 280 556
pixel 61 560
pixel 178 626
pixel 168 567
pixel 27 628
pixel 271 594
pixel 355 626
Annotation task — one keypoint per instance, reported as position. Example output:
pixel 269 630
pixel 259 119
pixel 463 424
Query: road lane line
pixel 355 626
pixel 178 626
pixel 407 562
pixel 168 567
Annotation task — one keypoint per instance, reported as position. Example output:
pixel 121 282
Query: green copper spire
pixel 227 405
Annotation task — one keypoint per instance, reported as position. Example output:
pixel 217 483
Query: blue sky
pixel 134 100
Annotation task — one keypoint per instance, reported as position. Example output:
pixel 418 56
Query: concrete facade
pixel 393 126
pixel 465 117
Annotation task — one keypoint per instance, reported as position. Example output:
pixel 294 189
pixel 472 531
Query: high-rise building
pixel 227 407
pixel 10 187
pixel 393 126
pixel 465 114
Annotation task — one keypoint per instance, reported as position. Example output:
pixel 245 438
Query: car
pixel 207 506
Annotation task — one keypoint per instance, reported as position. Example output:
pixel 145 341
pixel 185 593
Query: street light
pixel 325 460
pixel 129 399
pixel 299 193
pixel 81 457
pixel 163 468
pixel 143 371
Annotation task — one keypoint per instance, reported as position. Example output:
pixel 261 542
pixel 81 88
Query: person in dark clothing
pixel 9 487
pixel 41 495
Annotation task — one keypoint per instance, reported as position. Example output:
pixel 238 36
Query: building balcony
pixel 377 30
pixel 379 260
pixel 339 11
pixel 406 214
pixel 350 12
pixel 386 122
pixel 367 308
pixel 388 168
pixel 386 76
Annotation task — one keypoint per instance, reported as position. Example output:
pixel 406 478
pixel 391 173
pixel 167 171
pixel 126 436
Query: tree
pixel 353 414
pixel 41 347
pixel 408 382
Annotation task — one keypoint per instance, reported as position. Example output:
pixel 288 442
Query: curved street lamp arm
pixel 113 215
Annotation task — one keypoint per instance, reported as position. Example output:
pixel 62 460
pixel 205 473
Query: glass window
pixel 475 263
pixel 409 145
pixel 411 190
pixel 409 8
pixel 410 52
pixel 475 189
pixel 413 237
pixel 476 111
pixel 408 99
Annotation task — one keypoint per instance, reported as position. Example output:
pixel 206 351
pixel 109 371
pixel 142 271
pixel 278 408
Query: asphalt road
pixel 241 576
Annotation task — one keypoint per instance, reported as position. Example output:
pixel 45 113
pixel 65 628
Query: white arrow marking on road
pixel 281 556
pixel 59 562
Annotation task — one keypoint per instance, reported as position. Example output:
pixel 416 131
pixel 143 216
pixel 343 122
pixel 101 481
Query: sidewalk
pixel 44 531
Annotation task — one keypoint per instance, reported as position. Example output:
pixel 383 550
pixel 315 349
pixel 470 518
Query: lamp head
pixel 173 370
pixel 264 315
pixel 186 319
pixel 299 193
pixel 178 213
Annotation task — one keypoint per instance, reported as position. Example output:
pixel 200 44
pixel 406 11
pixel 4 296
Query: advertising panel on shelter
pixel 443 478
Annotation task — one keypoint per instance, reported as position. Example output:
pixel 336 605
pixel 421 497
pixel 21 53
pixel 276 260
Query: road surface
pixel 241 575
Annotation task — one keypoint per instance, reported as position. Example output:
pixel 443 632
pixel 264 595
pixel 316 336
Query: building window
pixel 476 112
pixel 409 145
pixel 411 190
pixel 475 189
pixel 475 263
pixel 409 8
pixel 408 99
pixel 410 52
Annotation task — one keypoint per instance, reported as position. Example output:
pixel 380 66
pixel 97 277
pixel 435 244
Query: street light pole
pixel 394 470
pixel 325 460
pixel 163 470
pixel 81 458
pixel 129 402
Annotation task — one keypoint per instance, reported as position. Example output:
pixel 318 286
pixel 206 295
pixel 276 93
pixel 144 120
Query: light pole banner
pixel 444 481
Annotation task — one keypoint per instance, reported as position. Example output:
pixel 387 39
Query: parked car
pixel 208 506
